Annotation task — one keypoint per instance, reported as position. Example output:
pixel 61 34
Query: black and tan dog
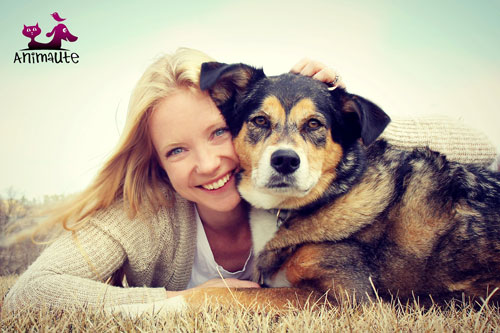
pixel 353 211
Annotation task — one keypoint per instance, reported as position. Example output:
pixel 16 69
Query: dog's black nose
pixel 285 161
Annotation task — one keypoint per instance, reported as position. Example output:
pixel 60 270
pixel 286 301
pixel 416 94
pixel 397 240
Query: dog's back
pixel 440 232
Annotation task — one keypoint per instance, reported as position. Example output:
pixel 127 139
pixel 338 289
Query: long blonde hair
pixel 133 172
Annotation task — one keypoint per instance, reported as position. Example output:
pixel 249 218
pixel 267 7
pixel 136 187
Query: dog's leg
pixel 256 299
pixel 340 269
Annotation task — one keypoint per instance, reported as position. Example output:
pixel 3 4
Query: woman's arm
pixel 446 135
pixel 71 272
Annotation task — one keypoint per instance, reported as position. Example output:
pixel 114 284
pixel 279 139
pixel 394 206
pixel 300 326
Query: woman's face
pixel 195 149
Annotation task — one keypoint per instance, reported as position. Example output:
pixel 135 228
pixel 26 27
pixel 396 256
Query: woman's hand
pixel 231 283
pixel 319 71
pixel 217 283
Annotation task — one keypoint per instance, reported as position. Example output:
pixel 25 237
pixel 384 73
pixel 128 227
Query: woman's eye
pixel 175 151
pixel 260 121
pixel 220 131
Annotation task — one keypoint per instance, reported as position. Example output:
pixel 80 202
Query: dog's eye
pixel 313 124
pixel 260 121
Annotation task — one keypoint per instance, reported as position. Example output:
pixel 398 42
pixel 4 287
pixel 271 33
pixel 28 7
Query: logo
pixel 55 54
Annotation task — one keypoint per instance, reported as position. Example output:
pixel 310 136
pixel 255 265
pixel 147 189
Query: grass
pixel 377 316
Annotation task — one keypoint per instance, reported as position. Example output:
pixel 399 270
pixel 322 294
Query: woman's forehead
pixel 184 112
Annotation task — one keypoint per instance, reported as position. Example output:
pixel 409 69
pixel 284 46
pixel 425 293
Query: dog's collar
pixel 282 216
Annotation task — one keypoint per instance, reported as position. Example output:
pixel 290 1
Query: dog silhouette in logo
pixel 59 33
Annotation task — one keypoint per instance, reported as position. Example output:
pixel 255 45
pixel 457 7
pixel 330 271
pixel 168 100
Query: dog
pixel 339 211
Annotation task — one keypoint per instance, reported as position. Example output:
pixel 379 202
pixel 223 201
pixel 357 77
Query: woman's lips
pixel 219 183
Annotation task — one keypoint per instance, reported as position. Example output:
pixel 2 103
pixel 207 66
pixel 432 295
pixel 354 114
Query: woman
pixel 163 211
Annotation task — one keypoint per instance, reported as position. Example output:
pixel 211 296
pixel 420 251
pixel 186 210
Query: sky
pixel 59 122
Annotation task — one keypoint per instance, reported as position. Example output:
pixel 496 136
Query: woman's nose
pixel 207 162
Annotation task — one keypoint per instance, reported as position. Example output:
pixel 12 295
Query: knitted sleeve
pixel 448 136
pixel 71 272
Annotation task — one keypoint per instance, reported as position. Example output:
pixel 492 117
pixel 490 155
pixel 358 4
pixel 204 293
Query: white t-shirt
pixel 205 266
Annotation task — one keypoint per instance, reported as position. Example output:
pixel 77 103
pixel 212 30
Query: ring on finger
pixel 333 84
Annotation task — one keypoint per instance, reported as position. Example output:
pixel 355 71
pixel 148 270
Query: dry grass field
pixel 374 317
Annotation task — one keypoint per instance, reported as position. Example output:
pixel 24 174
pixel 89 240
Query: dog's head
pixel 290 131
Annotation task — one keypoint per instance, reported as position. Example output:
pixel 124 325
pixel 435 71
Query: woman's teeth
pixel 218 184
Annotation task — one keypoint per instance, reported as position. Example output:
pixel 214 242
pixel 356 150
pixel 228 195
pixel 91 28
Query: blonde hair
pixel 133 172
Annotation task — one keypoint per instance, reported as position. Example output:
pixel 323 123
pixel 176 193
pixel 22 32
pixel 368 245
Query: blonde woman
pixel 164 210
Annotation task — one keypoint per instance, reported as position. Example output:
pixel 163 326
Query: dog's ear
pixel 362 118
pixel 226 83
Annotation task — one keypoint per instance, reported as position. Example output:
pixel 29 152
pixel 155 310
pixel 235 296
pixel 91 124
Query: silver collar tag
pixel 282 215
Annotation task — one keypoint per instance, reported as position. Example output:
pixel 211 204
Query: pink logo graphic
pixel 59 33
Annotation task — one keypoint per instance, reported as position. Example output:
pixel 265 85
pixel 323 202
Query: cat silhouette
pixel 31 31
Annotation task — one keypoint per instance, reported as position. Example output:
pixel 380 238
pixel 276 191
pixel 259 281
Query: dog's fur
pixel 353 212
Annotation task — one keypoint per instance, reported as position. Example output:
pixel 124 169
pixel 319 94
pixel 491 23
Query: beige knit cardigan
pixel 156 250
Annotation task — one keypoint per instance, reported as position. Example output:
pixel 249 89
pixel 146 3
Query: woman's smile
pixel 218 183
